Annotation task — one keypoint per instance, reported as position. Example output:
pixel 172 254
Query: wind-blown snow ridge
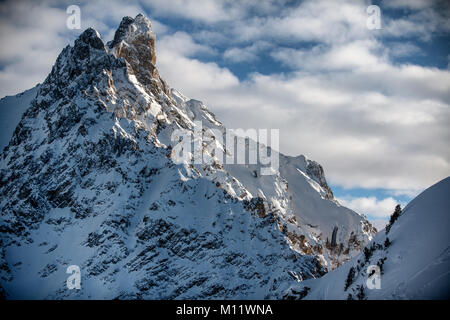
pixel 89 179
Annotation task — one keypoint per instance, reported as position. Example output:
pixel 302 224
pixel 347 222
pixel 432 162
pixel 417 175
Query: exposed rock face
pixel 134 41
pixel 89 179
pixel 315 171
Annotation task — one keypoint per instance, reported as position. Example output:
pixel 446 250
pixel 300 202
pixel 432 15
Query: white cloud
pixel 191 75
pixel 30 44
pixel 426 19
pixel 370 206
pixel 411 4
pixel 349 56
pixel 325 21
pixel 238 55
pixel 201 10
pixel 208 12
pixel 246 54
pixel 411 193
pixel 401 49
pixel 182 44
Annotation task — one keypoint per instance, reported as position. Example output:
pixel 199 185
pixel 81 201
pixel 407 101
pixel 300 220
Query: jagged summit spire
pixel 135 33
pixel 132 48
pixel 134 41
pixel 130 28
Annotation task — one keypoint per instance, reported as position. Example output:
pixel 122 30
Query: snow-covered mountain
pixel 414 262
pixel 90 177
pixel 11 111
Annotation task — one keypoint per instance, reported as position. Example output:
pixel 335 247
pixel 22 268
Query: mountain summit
pixel 134 41
pixel 90 178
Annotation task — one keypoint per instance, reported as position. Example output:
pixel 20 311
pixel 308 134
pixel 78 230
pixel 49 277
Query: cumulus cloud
pixel 370 206
pixel 30 44
pixel 413 4
pixel 404 49
pixel 182 44
pixel 213 12
pixel 246 54
pixel 421 19
pixel 174 62
pixel 410 193
pixel 201 10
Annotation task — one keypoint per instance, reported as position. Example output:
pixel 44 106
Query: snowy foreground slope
pixel 415 265
pixel 91 177
pixel 11 110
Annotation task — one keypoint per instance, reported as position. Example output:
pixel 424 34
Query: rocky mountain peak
pixel 89 62
pixel 134 41
pixel 77 67
pixel 130 29
pixel 91 38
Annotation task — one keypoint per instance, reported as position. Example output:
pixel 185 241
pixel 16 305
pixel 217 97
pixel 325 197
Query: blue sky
pixel 372 106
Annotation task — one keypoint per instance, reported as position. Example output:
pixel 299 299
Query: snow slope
pixel 416 263
pixel 319 214
pixel 11 110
